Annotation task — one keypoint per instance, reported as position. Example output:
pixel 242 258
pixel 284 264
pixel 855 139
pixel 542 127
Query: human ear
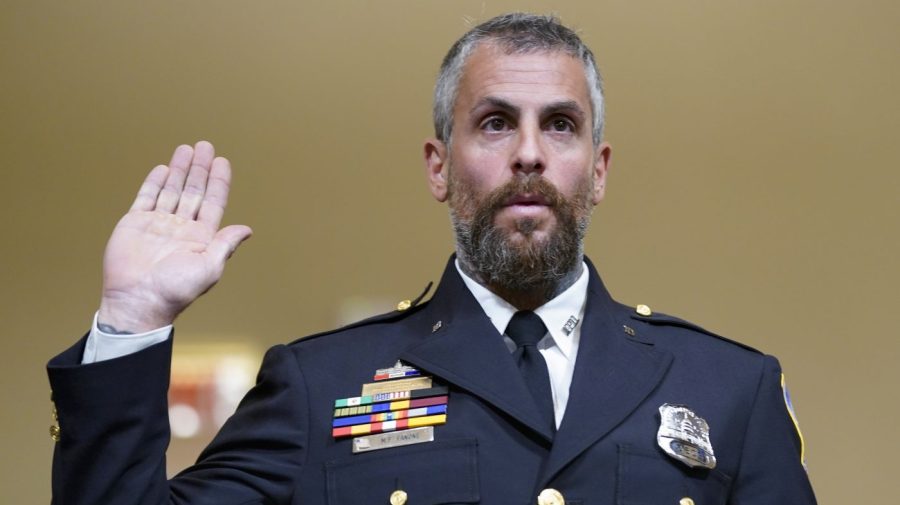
pixel 602 159
pixel 435 168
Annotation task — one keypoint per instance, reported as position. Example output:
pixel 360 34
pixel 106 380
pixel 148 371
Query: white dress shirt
pixel 102 346
pixel 559 347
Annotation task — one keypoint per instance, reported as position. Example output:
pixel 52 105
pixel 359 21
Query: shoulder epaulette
pixel 404 309
pixel 643 313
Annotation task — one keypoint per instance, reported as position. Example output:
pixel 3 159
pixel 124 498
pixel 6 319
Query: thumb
pixel 227 240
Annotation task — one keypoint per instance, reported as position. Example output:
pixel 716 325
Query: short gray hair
pixel 514 33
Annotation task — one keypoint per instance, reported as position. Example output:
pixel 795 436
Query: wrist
pixel 118 316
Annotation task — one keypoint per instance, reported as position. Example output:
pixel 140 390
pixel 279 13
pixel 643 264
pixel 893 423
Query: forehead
pixel 527 78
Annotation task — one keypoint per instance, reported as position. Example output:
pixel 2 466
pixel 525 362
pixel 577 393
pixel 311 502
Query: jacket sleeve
pixel 114 430
pixel 771 471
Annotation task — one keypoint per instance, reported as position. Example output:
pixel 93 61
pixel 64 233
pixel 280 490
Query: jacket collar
pixel 468 351
pixel 613 372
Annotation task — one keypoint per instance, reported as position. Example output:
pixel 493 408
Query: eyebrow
pixel 570 107
pixel 494 102
pixel 563 106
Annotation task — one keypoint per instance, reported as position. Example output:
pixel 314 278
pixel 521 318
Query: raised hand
pixel 168 249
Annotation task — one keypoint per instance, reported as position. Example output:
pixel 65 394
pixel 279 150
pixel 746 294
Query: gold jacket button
pixel 54 432
pixel 685 501
pixel 398 497
pixel 405 304
pixel 550 496
pixel 643 310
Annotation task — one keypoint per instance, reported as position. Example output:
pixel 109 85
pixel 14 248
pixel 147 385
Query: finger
pixel 178 167
pixel 226 241
pixel 195 183
pixel 149 191
pixel 216 198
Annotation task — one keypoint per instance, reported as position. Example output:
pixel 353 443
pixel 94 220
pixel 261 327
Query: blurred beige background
pixel 754 186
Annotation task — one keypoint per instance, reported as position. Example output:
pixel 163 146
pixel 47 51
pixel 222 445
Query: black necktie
pixel 526 329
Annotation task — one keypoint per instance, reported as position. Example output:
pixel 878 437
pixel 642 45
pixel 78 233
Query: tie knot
pixel 526 328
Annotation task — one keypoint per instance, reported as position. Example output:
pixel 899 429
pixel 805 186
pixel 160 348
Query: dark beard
pixel 494 259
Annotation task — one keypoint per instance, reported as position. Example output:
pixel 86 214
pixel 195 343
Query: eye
pixel 562 125
pixel 495 124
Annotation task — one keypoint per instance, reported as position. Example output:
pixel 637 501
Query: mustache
pixel 531 184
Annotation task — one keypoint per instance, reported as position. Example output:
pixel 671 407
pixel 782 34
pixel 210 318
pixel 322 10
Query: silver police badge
pixel 685 436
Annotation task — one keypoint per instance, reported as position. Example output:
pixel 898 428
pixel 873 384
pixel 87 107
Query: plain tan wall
pixel 754 186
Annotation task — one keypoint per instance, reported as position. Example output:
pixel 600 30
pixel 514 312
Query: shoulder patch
pixel 409 308
pixel 790 409
pixel 660 319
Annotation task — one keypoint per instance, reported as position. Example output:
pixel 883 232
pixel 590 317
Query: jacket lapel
pixel 467 351
pixel 613 374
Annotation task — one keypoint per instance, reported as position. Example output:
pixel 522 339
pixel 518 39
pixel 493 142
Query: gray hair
pixel 514 33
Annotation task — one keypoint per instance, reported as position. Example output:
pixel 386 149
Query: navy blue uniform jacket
pixel 278 447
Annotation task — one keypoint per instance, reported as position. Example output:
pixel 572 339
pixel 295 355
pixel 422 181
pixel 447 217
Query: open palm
pixel 168 249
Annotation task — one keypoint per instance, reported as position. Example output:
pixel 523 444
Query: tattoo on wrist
pixel 108 328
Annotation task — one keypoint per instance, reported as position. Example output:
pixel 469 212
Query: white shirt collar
pixel 556 313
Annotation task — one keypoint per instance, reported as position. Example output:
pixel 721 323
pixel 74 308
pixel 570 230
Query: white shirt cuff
pixel 102 346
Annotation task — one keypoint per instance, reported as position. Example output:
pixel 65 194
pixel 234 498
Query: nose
pixel 529 155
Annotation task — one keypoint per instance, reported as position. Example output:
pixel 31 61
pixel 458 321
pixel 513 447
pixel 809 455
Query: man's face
pixel 521 166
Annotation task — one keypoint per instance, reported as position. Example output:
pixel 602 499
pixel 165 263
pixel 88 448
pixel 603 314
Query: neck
pixel 526 297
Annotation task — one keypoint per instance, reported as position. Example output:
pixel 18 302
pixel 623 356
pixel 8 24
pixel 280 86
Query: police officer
pixel 534 385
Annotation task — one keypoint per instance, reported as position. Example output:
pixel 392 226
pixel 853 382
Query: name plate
pixel 392 386
pixel 393 439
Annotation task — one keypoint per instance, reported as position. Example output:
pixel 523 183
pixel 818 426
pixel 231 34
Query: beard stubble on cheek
pixel 497 255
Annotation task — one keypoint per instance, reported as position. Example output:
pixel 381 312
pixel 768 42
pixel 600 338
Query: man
pixel 538 386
